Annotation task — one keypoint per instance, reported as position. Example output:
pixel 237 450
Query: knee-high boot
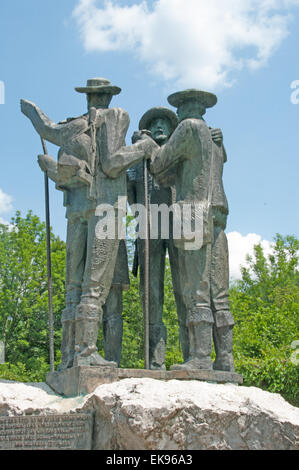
pixel 223 342
pixel 68 339
pixel 157 346
pixel 113 333
pixel 88 319
pixel 200 343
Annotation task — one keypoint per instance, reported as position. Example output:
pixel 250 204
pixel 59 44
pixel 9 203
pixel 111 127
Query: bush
pixel 265 306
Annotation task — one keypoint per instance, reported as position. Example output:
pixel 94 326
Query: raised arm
pixel 57 134
pixel 127 157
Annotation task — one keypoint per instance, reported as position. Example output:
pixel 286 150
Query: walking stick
pixel 146 265
pixel 49 264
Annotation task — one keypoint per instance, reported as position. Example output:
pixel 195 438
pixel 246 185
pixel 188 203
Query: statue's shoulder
pixel 116 115
pixel 119 112
pixel 198 125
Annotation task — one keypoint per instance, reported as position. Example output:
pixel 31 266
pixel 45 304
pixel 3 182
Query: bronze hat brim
pixel 113 90
pixel 155 113
pixel 207 99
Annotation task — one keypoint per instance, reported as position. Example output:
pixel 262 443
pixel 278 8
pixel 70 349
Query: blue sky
pixel 245 51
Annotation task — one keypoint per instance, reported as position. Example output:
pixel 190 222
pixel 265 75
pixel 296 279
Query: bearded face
pixel 160 129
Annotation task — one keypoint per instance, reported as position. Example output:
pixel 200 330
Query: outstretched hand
pixel 141 135
pixel 26 107
pixel 217 136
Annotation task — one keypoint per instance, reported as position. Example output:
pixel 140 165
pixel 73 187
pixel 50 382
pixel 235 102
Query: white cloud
pixel 241 246
pixel 5 206
pixel 5 202
pixel 8 224
pixel 196 43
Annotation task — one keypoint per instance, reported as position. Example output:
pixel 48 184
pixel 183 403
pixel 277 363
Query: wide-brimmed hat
pixel 206 99
pixel 156 113
pixel 99 85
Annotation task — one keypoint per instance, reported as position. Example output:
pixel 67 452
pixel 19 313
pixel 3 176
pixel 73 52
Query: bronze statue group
pixel 185 159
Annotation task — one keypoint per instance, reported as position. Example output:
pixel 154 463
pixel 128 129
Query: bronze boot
pixel 223 342
pixel 68 339
pixel 157 346
pixel 200 341
pixel 87 325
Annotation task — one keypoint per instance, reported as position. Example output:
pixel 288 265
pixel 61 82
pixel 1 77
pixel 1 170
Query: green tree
pixel 265 306
pixel 24 293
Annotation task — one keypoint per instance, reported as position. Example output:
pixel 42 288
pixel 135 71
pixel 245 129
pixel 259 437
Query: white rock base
pixel 138 414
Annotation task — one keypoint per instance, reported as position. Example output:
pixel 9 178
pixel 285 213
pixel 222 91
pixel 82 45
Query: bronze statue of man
pixel 90 177
pixel 161 122
pixel 203 268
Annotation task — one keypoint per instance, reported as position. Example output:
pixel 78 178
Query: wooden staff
pixel 146 266
pixel 49 264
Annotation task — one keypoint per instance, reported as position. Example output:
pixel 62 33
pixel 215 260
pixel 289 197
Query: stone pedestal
pixel 83 380
pixel 146 414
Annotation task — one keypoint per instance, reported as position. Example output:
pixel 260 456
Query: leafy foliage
pixel 24 291
pixel 265 306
